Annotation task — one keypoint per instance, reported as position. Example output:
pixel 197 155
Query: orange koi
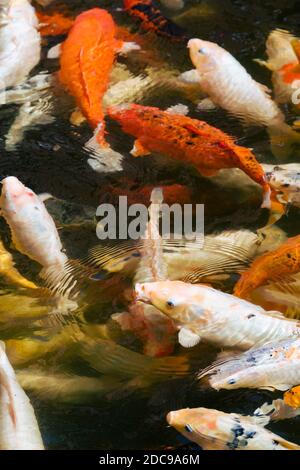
pixel 292 397
pixel 152 19
pixel 87 57
pixel 277 265
pixel 54 25
pixel 195 142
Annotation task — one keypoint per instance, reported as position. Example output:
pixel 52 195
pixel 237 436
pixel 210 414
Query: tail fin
pixel 102 159
pixel 277 209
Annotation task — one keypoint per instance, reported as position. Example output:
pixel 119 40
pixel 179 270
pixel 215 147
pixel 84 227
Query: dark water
pixel 50 159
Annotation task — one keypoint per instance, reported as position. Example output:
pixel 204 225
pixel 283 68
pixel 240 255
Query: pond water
pixel 128 411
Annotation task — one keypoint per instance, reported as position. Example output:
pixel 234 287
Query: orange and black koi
pixel 152 19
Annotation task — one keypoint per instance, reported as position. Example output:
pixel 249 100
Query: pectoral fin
pixel 187 338
pixel 264 63
pixel 45 197
pixel 139 150
pixel 259 420
pixel 178 109
pixel 77 118
pixel 126 47
pixel 282 387
pixel 54 52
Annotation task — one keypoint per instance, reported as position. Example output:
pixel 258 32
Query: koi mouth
pixel 140 294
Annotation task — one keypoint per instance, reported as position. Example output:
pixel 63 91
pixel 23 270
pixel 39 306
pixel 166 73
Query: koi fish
pixel 20 43
pixel 86 60
pixel 216 430
pixel 274 366
pixel 33 230
pixel 34 234
pixel 284 64
pixel 195 142
pixel 109 358
pixel 64 387
pixel 19 429
pixel 278 265
pixel 230 86
pixel 152 19
pixel 54 25
pixel 214 258
pixel 201 312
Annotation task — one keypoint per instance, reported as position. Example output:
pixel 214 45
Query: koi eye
pixel 170 303
pixel 202 50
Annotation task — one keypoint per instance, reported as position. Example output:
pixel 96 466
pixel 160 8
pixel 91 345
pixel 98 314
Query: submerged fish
pixel 29 350
pixel 278 265
pixel 65 387
pixel 215 256
pixel 189 140
pixel 216 430
pixel 20 44
pixel 173 193
pixel 152 19
pixel 200 312
pixel 30 114
pixel 19 429
pixel 33 230
pixel 19 307
pixel 112 359
pixel 274 366
pixel 231 87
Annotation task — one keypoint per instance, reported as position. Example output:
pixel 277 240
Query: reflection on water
pixel 89 381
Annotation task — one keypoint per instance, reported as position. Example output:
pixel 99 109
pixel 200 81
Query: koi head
pixel 175 299
pixel 247 283
pixel 132 115
pixel 204 54
pixel 196 424
pixel 15 195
